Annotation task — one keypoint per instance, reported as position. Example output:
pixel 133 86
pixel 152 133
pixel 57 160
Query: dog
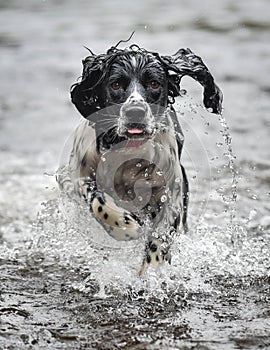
pixel 126 156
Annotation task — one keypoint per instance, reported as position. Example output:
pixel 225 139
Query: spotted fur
pixel 118 222
pixel 129 145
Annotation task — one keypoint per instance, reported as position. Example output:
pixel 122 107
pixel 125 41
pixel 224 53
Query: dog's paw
pixel 119 223
pixel 155 254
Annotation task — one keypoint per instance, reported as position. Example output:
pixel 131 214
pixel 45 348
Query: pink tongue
pixel 135 131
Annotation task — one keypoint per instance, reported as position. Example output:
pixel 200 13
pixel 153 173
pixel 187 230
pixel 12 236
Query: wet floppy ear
pixel 86 94
pixel 173 86
pixel 185 62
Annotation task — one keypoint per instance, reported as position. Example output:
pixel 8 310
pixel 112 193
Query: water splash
pixel 231 200
pixel 108 267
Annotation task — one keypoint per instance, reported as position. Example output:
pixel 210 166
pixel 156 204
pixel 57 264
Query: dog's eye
pixel 154 84
pixel 115 85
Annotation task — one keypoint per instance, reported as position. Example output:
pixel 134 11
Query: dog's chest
pixel 138 177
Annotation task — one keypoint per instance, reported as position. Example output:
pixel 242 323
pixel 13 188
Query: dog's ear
pixel 185 62
pixel 86 94
pixel 173 86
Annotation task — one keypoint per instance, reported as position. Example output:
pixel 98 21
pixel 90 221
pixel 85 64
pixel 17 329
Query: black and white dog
pixel 126 154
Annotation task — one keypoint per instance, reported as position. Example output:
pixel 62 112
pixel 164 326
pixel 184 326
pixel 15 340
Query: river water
pixel 64 283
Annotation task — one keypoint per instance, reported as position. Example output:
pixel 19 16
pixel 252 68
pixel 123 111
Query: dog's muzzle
pixel 135 119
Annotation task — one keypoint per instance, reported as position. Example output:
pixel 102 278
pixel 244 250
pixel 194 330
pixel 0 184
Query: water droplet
pixel 252 214
pixel 163 198
pixel 177 180
pixel 138 165
pixel 220 189
pixel 140 198
pixel 219 144
pixel 103 159
pixel 159 173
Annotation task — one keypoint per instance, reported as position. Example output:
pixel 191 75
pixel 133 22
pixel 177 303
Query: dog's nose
pixel 135 114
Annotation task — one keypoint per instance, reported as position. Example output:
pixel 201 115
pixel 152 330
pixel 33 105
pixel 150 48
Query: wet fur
pixel 102 132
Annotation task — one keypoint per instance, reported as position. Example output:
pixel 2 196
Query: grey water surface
pixel 64 284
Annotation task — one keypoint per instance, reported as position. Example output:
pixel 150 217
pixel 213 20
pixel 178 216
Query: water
pixel 64 283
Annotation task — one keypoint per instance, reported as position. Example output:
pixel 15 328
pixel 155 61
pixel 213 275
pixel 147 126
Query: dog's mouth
pixel 135 131
pixel 136 135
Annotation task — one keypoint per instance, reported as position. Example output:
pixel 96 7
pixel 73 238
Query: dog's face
pixel 136 89
pixel 125 93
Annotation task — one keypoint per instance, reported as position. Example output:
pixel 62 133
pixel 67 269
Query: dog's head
pixel 126 92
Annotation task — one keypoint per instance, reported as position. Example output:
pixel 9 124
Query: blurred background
pixel 41 49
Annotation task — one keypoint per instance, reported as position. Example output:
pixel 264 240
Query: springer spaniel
pixel 126 156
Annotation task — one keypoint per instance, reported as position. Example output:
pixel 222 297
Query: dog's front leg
pixel 156 252
pixel 118 222
pixel 157 248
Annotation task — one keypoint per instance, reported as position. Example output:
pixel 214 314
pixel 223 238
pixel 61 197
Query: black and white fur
pixel 129 145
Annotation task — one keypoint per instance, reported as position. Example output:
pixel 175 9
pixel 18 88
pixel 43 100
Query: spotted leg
pixel 157 249
pixel 119 223
pixel 156 252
